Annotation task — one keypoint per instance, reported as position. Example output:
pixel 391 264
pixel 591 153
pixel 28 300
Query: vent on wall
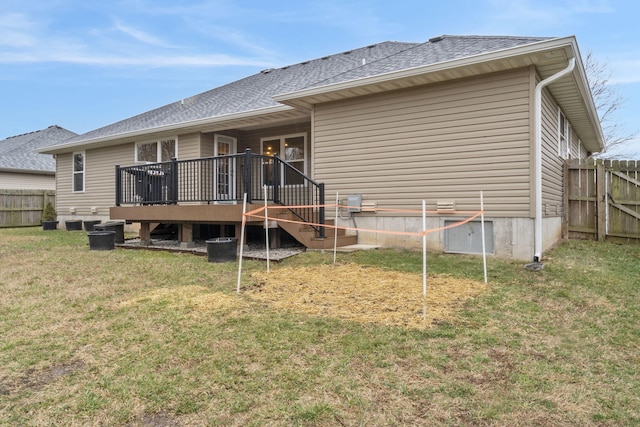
pixel 446 206
pixel 369 206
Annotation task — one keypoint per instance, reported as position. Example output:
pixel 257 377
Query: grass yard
pixel 141 338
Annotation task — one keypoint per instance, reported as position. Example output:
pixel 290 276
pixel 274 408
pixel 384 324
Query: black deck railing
pixel 223 179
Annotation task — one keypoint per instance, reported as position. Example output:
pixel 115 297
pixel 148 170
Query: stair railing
pixel 223 179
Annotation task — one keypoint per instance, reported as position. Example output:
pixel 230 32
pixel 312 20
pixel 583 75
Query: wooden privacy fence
pixel 603 200
pixel 21 208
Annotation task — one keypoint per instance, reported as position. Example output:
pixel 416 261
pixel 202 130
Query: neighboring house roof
pixel 293 89
pixel 20 153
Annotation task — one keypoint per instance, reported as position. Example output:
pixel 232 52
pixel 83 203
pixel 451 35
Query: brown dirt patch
pixel 37 379
pixel 158 420
pixel 364 294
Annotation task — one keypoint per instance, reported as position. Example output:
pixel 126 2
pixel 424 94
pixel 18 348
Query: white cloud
pixel 25 40
pixel 238 39
pixel 591 6
pixel 71 56
pixel 212 19
pixel 628 150
pixel 625 71
pixel 142 36
pixel 14 30
pixel 514 17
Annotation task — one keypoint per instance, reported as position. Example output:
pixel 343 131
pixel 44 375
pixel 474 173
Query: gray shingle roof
pixel 19 152
pixel 257 91
pixel 251 93
pixel 436 50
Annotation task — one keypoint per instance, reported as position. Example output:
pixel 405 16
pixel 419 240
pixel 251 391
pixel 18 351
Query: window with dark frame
pixel 78 172
pixel 294 149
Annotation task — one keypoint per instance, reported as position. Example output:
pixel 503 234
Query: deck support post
pixel 238 233
pixel 145 233
pixel 185 236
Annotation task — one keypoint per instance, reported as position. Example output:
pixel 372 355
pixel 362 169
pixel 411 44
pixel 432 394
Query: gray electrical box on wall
pixel 354 203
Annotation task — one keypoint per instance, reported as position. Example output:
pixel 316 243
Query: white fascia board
pixel 438 66
pixel 28 171
pixel 63 148
pixel 585 90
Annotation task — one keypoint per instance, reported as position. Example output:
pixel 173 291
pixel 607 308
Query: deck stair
pixel 308 236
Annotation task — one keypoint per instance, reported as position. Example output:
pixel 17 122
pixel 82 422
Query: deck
pixel 212 190
pixel 186 216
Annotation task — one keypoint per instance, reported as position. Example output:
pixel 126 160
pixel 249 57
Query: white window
pixel 291 149
pixel 156 151
pixel 225 168
pixel 569 140
pixel 78 172
pixel 564 136
pixel 579 156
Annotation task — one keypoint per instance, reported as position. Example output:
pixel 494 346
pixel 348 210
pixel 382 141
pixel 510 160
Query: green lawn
pixel 141 338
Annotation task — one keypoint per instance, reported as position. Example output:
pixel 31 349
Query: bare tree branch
pixel 607 101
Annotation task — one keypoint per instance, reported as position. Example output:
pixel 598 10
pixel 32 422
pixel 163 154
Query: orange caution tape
pixel 415 211
pixel 254 214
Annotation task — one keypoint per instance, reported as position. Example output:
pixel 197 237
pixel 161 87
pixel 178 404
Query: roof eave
pixel 28 171
pixel 587 96
pixel 305 98
pixel 286 98
pixel 176 127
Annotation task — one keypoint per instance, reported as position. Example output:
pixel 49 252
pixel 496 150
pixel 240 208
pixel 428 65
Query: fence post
pixel 118 186
pixel 248 171
pixel 601 200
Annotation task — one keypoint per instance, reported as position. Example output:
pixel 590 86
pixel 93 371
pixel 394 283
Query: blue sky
pixel 83 64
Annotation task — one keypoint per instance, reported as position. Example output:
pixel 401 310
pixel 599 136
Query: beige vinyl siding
pixel 583 152
pixel 189 146
pixel 207 144
pixel 99 179
pixel 577 150
pixel 100 175
pixel 438 142
pixel 64 195
pixel 552 163
pixel 26 181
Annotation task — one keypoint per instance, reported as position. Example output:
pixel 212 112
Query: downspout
pixel 537 256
